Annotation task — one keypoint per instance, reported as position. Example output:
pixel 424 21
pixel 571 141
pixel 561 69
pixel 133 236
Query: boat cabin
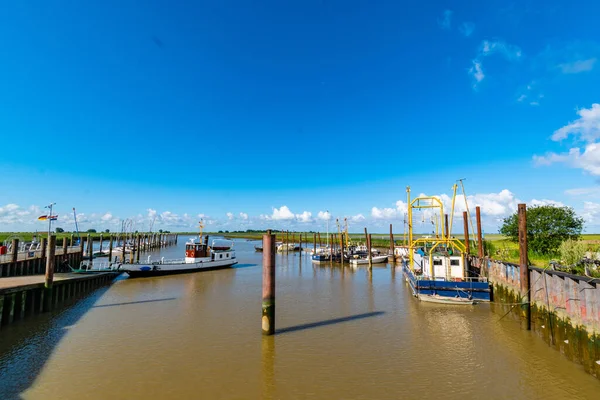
pixel 444 266
pixel 195 250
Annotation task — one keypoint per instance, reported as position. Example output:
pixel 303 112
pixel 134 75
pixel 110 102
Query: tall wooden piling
pixel 110 249
pixel 479 235
pixel 138 248
pixel 466 224
pixel 101 240
pixel 392 243
pixel 90 250
pixel 342 249
pixel 14 257
pixel 314 243
pixel 524 265
pixel 49 278
pixel 447 229
pixel 123 259
pixel 268 289
pixel 368 242
pixel 369 250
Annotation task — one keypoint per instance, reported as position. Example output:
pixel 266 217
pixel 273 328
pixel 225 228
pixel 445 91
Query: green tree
pixel 572 251
pixel 91 231
pixel 59 230
pixel 547 227
pixel 107 231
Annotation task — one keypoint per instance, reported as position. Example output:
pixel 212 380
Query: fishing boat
pixel 435 269
pixel 365 260
pixel 199 256
pixel 321 254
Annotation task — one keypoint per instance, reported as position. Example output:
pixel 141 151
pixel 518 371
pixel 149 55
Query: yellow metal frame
pixel 431 202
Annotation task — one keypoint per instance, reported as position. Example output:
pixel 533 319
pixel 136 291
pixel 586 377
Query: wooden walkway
pixel 21 283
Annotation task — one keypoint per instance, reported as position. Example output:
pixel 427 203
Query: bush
pixel 571 251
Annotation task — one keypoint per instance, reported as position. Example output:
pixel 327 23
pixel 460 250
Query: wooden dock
pixel 24 296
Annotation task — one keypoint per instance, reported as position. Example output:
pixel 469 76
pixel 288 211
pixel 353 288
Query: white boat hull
pixel 159 269
pixel 428 298
pixel 374 260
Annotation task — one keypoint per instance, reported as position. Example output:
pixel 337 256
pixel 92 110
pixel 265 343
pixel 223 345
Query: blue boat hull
pixel 479 291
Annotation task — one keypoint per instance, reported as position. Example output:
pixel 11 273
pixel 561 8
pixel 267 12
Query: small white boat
pixel 198 257
pixel 374 260
pixel 434 298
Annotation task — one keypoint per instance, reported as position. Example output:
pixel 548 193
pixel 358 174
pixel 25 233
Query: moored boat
pixel 435 268
pixel 199 256
pixel 365 260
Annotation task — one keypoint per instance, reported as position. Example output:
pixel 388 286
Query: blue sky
pixel 275 111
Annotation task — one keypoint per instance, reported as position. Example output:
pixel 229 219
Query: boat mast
pixel 411 265
pixel 50 220
pixel 201 226
pixel 76 227
pixel 467 204
pixel 327 227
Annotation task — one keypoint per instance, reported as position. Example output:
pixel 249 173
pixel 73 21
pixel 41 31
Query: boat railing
pixel 465 279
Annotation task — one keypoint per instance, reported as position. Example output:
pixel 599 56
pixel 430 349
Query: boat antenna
pixel 466 203
pixel 76 227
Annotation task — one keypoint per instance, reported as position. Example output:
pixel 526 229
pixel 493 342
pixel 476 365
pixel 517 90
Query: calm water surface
pixel 345 334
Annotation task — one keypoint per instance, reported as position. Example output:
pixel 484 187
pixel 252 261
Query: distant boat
pixel 258 248
pixel 434 298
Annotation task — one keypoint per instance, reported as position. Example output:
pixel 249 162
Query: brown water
pixel 346 334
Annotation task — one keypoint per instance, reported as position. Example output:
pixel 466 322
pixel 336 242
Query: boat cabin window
pixel 437 262
pixel 454 262
pixel 220 255
pixel 227 255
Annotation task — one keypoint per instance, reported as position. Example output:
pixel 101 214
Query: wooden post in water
pixel 71 241
pixel 49 279
pixel 300 243
pixel 479 235
pixel 65 250
pixel 466 221
pixel 524 265
pixel 268 289
pixel 314 243
pixel 370 254
pixel 14 257
pixel 138 248
pixel 368 243
pixel 392 244
pixel 81 244
pixel 446 226
pixel 90 249
pixel 342 249
pixel 101 240
pixel 110 247
pixel 123 259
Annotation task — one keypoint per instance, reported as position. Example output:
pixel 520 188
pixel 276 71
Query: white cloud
pixel 594 190
pixel 587 126
pixel 305 217
pixel 151 213
pixel 282 213
pixel 521 97
pixel 357 218
pixel 509 51
pixel 446 20
pixel 591 212
pixel 324 215
pixel 578 66
pixel 476 72
pixel 384 213
pixel 467 28
pixel 230 216
pixel 588 160
pixel 244 216
pixel 546 202
pixel 107 217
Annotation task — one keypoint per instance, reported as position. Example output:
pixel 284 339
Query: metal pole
pixel 446 226
pixel 268 289
pixel 466 222
pixel 392 243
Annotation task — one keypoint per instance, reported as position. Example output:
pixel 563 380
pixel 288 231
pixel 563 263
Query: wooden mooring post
pixel 110 249
pixel 524 265
pixel 268 289
pixel 479 235
pixel 90 249
pixel 446 227
pixel 392 244
pixel 49 278
pixel 14 258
